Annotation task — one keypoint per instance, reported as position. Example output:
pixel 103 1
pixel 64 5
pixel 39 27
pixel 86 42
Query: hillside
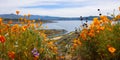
pixel 36 17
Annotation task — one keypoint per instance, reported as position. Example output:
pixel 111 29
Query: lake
pixel 67 25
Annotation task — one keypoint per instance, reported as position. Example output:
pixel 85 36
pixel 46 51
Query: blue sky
pixel 62 8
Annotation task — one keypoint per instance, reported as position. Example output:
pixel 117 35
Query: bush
pixel 100 41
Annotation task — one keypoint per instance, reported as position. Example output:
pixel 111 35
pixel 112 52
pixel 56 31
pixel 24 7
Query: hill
pixel 36 17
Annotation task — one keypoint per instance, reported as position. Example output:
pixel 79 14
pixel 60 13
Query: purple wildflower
pixel 35 52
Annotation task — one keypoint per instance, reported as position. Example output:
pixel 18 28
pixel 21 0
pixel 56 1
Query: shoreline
pixel 54 32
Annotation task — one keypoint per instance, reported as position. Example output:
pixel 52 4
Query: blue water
pixel 67 25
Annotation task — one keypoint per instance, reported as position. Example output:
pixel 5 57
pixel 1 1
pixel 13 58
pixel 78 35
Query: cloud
pixel 63 8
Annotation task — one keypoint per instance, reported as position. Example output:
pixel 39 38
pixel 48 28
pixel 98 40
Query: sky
pixel 61 8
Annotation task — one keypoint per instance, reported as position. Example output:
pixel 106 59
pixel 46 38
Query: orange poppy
pixel 96 21
pixel 111 49
pixel 17 12
pixel 102 28
pixel 0 20
pixel 11 54
pixel 2 39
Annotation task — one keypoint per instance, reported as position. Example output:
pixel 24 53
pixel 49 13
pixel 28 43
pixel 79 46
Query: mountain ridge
pixel 36 17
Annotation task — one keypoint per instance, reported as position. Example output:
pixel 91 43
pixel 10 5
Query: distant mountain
pixel 36 17
pixel 10 16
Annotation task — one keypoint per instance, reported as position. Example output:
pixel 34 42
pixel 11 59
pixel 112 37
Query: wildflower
pixel 24 28
pixel 2 39
pixel 32 25
pixel 77 42
pixel 111 49
pixel 117 17
pixel 1 20
pixel 35 52
pixel 55 49
pixel 75 45
pixel 91 34
pixel 21 19
pixel 17 12
pixel 33 21
pixel 102 28
pixel 96 21
pixel 15 28
pixel 28 21
pixel 104 18
pixel 91 26
pixel 62 57
pixel 11 55
pixel 37 25
pixel 29 15
pixel 40 23
pixel 110 29
pixel 97 31
pixel 50 43
pixel 36 58
pixel 83 34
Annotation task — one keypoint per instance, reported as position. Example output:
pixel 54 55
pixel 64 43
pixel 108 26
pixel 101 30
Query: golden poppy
pixel 17 12
pixel 96 21
pixel 102 28
pixel 11 54
pixel 36 57
pixel 2 39
pixel 111 49
pixel 1 20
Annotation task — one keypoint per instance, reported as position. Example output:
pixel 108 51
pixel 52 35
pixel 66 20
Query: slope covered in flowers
pixel 99 41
